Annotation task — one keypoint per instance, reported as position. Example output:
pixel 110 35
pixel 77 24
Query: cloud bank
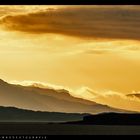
pixel 89 22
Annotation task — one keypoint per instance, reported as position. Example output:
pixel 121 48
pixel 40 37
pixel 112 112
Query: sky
pixel 94 51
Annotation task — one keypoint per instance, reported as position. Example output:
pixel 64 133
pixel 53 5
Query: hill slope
pixel 110 119
pixel 35 98
pixel 11 114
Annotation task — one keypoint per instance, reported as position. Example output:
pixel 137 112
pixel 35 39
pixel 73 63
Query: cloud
pixel 89 22
pixel 83 91
pixel 108 97
pixel 98 52
pixel 38 84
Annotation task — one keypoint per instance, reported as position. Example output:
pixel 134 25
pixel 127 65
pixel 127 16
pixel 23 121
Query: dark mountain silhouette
pixel 11 114
pixel 47 99
pixel 19 121
pixel 110 119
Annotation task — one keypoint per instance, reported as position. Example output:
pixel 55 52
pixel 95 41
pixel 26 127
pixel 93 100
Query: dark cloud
pixel 90 22
pixel 98 52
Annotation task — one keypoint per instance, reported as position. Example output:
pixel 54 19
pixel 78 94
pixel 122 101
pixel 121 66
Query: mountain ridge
pixel 13 114
pixel 110 119
pixel 34 98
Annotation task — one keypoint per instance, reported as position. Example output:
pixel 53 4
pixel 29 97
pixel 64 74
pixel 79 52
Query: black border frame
pixel 67 2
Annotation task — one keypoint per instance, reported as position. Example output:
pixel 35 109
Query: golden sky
pixel 77 47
